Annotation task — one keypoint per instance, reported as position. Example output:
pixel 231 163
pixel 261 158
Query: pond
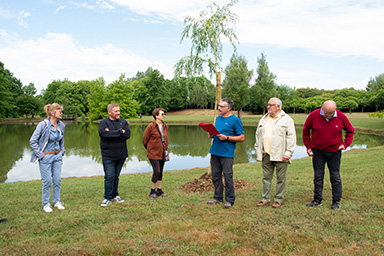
pixel 188 147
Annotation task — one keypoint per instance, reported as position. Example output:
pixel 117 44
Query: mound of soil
pixel 204 184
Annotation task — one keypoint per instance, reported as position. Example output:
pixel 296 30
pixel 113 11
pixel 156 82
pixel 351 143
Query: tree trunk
pixel 240 113
pixel 218 99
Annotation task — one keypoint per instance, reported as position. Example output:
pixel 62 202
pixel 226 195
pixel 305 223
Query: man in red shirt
pixel 323 138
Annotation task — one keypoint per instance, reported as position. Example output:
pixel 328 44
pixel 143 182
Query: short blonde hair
pixel 50 108
pixel 111 106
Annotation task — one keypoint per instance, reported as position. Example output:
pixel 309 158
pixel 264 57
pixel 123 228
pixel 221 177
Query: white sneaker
pixel 47 208
pixel 59 205
pixel 105 203
pixel 118 199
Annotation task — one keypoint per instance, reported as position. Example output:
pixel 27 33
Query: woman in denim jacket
pixel 47 143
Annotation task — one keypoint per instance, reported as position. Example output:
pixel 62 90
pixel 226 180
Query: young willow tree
pixel 206 34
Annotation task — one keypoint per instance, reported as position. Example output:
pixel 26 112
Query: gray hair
pixel 278 102
pixel 229 102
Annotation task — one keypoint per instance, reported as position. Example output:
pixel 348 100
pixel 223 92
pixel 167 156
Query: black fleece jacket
pixel 113 142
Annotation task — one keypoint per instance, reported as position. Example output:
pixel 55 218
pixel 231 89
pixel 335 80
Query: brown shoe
pixel 276 204
pixel 261 203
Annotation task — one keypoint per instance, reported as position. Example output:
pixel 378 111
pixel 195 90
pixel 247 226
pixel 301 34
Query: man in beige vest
pixel 275 143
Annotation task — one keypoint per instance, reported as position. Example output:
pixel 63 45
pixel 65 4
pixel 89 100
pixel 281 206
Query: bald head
pixel 329 108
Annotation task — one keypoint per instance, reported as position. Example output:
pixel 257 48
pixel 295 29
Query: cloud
pixel 321 26
pixel 61 7
pixel 171 10
pixel 5 13
pixel 104 5
pixel 344 27
pixel 58 56
pixel 83 5
pixel 22 15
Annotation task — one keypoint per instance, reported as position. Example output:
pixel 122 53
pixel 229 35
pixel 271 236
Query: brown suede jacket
pixel 152 141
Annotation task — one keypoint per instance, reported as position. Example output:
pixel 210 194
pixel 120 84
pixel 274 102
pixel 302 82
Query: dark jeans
pixel 333 162
pixel 112 169
pixel 157 166
pixel 223 166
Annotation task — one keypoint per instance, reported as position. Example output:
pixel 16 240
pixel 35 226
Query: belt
pixel 52 152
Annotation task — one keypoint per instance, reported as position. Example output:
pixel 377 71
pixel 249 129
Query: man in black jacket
pixel 114 133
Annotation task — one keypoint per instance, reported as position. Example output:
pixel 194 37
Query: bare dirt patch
pixel 204 184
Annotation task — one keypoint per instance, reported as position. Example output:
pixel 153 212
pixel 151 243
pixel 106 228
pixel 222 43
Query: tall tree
pixel 121 92
pixel 10 89
pixel 151 92
pixel 265 83
pixel 206 34
pixel 97 106
pixel 30 89
pixel 5 95
pixel 376 83
pixel 236 82
pixel 179 98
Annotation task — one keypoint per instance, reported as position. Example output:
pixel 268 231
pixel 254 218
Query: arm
pixel 350 130
pixel 62 149
pixel 126 132
pixel 238 138
pixel 34 141
pixel 106 133
pixel 146 135
pixel 307 133
pixel 291 140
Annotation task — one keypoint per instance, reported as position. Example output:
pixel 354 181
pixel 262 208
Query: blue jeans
pixel 223 166
pixel 50 171
pixel 112 169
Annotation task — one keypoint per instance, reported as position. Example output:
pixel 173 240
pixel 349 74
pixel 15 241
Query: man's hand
pixel 286 158
pixel 309 152
pixel 210 136
pixel 123 130
pixel 222 137
pixel 107 129
pixel 341 147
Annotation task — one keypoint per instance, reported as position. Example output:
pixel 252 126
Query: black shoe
pixel 160 192
pixel 314 203
pixel 336 205
pixel 152 194
pixel 3 220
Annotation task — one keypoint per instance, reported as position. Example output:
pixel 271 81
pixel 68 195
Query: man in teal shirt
pixel 222 152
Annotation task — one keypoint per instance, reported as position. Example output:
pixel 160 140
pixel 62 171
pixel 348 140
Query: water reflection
pixel 188 146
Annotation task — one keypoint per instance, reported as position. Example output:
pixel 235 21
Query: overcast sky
pixel 323 44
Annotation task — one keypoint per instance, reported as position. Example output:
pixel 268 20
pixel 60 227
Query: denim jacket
pixel 39 139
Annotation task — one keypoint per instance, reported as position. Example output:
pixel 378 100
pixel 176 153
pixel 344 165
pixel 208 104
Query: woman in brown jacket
pixel 155 140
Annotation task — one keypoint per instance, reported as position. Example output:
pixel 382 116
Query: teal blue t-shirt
pixel 230 126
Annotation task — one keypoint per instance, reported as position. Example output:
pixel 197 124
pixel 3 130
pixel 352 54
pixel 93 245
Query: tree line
pixel 148 90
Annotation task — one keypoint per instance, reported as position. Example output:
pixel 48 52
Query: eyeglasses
pixel 163 114
pixel 60 111
pixel 221 106
pixel 271 105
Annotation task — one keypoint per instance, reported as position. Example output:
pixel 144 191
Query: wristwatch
pixel 227 138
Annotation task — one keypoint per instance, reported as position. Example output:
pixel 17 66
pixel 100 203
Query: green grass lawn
pixel 183 224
